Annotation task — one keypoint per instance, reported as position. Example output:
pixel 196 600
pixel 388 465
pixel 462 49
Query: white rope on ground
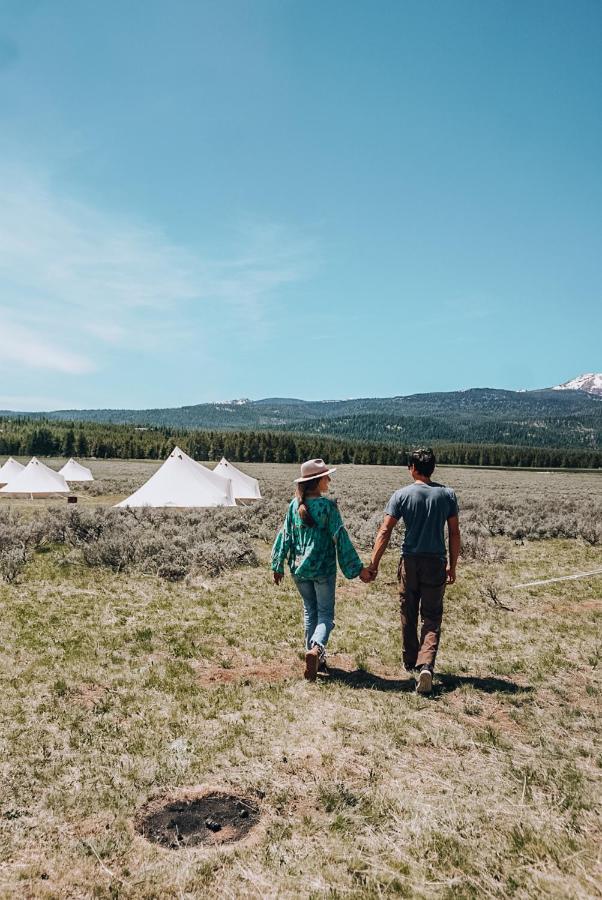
pixel 563 578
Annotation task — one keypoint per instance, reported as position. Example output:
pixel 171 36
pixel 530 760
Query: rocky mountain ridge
pixel 591 383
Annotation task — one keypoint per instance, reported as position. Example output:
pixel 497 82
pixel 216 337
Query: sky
pixel 202 201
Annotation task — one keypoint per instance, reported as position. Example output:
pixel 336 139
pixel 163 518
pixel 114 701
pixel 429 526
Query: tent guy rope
pixel 562 578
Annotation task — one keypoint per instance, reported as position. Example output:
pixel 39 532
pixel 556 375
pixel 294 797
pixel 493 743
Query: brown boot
pixel 312 659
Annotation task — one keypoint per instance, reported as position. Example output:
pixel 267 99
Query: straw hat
pixel 313 468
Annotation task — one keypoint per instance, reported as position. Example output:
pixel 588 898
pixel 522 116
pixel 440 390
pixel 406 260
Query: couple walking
pixel 313 537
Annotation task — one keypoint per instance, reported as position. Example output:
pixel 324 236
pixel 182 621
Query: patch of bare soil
pixel 591 604
pixel 246 670
pixel 209 819
pixel 491 714
pixel 90 695
pixel 562 606
pixel 239 669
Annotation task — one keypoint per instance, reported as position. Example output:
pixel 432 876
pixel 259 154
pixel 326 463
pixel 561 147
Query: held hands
pixel 368 574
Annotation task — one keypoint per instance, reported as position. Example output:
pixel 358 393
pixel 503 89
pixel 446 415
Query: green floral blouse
pixel 312 552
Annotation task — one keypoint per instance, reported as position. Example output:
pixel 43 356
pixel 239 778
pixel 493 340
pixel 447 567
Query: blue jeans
pixel 318 609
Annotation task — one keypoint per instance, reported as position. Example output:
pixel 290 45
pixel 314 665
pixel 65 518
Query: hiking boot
pixel 424 684
pixel 312 661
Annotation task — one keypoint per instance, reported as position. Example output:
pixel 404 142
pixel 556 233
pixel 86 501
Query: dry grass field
pixel 140 655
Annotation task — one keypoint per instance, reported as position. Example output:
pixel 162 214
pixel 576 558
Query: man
pixel 423 572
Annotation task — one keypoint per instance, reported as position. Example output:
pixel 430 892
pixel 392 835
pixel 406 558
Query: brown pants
pixel 421 588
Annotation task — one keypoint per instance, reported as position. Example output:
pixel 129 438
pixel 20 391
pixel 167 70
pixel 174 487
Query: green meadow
pixel 142 654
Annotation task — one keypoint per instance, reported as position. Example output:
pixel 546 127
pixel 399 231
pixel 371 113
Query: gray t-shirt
pixel 424 508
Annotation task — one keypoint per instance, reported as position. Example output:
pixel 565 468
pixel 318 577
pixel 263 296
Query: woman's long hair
pixel 302 489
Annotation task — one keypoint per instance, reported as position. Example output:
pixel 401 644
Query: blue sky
pixel 203 201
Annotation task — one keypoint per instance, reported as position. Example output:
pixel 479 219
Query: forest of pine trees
pixel 25 437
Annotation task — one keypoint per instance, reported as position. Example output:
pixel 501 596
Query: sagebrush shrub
pixel 476 546
pixel 12 562
pixel 589 528
pixel 214 557
pixel 114 550
pixel 17 532
pixel 172 563
pixel 84 526
pixel 167 543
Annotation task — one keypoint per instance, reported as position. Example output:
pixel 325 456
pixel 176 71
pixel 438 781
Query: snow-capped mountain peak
pixel 591 383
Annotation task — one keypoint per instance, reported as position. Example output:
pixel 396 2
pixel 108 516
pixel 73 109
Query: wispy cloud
pixel 74 279
pixel 22 346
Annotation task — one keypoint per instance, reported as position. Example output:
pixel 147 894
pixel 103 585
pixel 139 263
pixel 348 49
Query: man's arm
pixel 453 527
pixel 382 542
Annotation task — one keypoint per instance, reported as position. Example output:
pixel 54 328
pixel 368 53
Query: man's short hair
pixel 423 459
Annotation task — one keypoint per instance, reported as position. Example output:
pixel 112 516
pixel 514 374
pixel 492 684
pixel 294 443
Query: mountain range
pixel 566 415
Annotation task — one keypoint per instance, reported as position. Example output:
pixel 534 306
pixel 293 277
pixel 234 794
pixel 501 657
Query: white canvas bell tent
pixel 182 482
pixel 244 486
pixel 9 470
pixel 74 471
pixel 37 480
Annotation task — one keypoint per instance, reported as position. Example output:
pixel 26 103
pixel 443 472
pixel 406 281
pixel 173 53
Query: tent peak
pixel 244 486
pixel 74 471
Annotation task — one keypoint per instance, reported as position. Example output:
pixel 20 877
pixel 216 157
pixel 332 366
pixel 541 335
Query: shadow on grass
pixel 443 684
pixel 360 678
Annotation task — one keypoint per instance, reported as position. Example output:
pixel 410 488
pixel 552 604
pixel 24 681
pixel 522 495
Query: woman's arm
pixel 350 564
pixel 281 550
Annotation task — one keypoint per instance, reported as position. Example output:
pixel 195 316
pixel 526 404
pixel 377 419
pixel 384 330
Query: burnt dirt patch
pixel 210 819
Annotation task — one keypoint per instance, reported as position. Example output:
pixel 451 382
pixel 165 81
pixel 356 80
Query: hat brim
pixel 312 477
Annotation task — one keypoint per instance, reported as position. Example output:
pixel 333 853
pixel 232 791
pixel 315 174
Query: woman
pixel 311 539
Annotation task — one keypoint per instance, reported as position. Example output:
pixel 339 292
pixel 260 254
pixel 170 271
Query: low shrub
pixel 84 526
pixel 12 562
pixel 156 556
pixel 589 528
pixel 17 533
pixel 217 556
pixel 167 543
pixel 476 545
pixel 362 529
pixel 113 550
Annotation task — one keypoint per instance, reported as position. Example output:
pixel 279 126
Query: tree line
pixel 24 437
pixel 552 431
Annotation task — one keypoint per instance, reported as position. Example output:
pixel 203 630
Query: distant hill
pixel 554 417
